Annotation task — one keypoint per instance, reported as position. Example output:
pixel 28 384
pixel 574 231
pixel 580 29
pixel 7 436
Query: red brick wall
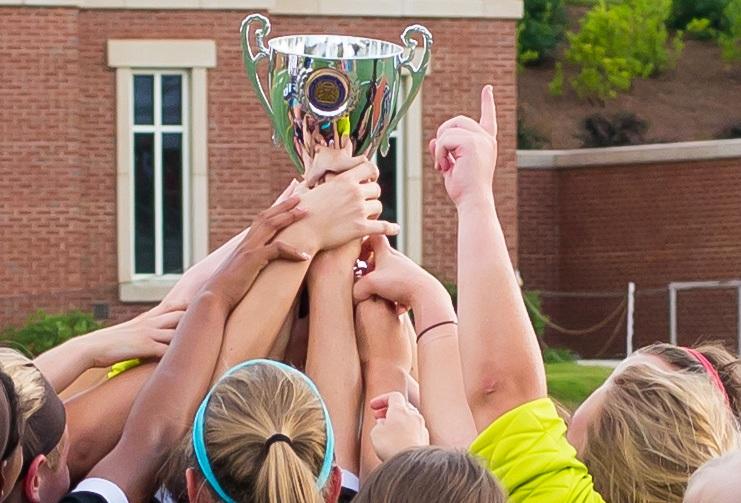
pixel 57 142
pixel 596 229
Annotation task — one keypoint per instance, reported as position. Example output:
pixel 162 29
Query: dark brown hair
pixel 727 365
pixel 430 474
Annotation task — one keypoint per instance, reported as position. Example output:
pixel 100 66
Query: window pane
pixel 143 95
pixel 387 181
pixel 172 202
pixel 144 203
pixel 171 99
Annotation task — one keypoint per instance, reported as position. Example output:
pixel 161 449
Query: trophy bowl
pixel 333 91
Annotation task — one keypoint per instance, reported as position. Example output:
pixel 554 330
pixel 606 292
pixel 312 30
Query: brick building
pixel 661 216
pixel 71 212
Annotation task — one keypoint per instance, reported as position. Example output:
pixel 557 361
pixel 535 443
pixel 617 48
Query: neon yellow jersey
pixel 528 452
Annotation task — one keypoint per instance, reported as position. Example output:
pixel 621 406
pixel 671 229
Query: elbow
pixel 489 390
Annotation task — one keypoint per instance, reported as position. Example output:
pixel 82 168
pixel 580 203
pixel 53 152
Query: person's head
pixel 649 427
pixel 717 481
pixel 427 474
pixel 12 426
pixel 725 364
pixel 263 435
pixel 44 474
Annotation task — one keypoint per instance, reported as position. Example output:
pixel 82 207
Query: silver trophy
pixel 327 90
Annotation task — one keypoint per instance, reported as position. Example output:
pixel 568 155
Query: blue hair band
pixel 199 439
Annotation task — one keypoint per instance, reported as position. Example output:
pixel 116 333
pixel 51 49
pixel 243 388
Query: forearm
pixel 253 326
pixel 442 393
pixel 62 365
pixel 379 378
pixel 332 360
pixel 503 367
pixel 160 416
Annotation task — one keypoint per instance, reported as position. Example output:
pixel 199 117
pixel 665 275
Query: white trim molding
pixel 493 9
pixel 628 156
pixel 192 57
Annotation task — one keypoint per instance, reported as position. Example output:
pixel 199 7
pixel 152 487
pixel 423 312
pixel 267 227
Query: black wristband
pixel 423 332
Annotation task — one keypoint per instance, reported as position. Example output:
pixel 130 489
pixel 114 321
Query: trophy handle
pixel 417 74
pixel 251 59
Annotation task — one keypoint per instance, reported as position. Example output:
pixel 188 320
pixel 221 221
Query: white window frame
pixel 190 58
pixel 157 129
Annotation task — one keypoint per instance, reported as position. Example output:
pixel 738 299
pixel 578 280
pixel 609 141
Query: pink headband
pixel 711 371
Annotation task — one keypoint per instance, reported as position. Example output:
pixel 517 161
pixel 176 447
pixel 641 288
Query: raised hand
pixel 236 274
pixel 346 207
pixel 399 426
pixel 465 152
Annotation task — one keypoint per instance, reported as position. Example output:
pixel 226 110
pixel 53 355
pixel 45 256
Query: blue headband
pixel 199 443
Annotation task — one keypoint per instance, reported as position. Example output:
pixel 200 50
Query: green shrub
pixel 559 355
pixel 730 38
pixel 527 137
pixel 619 43
pixel 683 12
pixel 44 331
pixel 534 310
pixel 614 131
pixel 540 30
pixel 701 29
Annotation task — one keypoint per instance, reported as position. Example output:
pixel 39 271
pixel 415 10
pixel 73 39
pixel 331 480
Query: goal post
pixel 676 287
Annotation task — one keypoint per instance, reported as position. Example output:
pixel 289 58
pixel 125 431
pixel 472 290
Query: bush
pixel 615 131
pixel 619 43
pixel 700 29
pixel 730 38
pixel 528 138
pixel 559 355
pixel 540 30
pixel 683 12
pixel 44 331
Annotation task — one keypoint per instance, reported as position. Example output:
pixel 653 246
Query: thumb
pixel 379 243
pixel 158 350
pixel 365 287
pixel 279 249
pixel 488 111
pixel 396 401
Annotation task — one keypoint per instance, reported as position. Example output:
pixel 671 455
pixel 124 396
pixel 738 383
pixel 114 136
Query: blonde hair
pixel 431 474
pixel 654 429
pixel 725 363
pixel 245 410
pixel 30 386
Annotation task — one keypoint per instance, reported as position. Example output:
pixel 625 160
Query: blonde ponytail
pixel 285 477
pixel 263 435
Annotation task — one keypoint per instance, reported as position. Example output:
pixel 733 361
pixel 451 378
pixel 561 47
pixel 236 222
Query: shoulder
pixel 527 450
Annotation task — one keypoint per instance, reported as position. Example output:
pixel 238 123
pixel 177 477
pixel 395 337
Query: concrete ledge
pixel 162 53
pixel 496 9
pixel 619 156
pixel 150 290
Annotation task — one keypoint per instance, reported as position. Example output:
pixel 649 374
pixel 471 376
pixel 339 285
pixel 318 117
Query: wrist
pixel 88 348
pixel 477 202
pixel 432 305
pixel 303 237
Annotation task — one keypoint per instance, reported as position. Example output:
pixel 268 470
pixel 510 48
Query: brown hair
pixel 654 429
pixel 431 474
pixel 727 365
pixel 41 408
pixel 246 409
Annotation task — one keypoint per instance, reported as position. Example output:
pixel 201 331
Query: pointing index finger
pixel 488 111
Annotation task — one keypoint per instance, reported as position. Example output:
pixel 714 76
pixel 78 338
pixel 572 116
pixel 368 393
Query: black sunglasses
pixel 15 430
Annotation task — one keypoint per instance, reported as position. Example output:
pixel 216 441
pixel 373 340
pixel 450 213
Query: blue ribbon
pixel 199 441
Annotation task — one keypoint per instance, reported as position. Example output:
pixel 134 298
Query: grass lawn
pixel 570 383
